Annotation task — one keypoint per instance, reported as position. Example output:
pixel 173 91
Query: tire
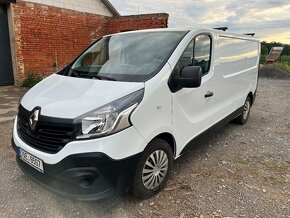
pixel 149 180
pixel 242 119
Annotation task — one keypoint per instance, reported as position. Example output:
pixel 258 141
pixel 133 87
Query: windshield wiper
pixel 91 75
pixel 101 77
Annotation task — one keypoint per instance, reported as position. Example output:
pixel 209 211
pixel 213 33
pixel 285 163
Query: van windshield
pixel 131 57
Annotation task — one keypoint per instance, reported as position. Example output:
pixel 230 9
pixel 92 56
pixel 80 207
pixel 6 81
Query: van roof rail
pixel 250 34
pixel 222 28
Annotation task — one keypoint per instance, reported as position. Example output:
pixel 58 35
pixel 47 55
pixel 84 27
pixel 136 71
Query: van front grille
pixel 49 136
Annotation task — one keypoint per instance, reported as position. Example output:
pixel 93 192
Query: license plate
pixel 31 160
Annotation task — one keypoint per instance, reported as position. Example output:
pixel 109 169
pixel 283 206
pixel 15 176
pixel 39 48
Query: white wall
pixel 89 6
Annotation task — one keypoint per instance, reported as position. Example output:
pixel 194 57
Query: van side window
pixel 186 58
pixel 202 52
pixel 197 53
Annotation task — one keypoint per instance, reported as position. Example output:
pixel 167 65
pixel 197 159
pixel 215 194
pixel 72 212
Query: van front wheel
pixel 242 119
pixel 153 169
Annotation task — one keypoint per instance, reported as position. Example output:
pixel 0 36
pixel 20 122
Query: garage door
pixel 6 74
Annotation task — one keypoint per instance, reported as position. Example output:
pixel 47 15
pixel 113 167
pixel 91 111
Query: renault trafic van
pixel 116 117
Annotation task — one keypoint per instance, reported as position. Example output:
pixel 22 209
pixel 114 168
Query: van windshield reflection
pixel 132 57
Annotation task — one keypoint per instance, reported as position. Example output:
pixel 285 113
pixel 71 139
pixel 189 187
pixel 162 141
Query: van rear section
pixel 237 68
pixel 230 65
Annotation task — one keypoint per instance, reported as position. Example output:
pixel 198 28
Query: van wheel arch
pixel 169 138
pixel 153 169
pixel 243 117
pixel 251 96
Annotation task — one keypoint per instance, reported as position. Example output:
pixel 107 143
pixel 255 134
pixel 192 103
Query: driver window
pixel 186 58
pixel 202 52
pixel 197 53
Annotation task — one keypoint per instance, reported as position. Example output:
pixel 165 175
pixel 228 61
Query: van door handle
pixel 208 94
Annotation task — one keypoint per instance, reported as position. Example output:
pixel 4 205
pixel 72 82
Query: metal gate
pixel 6 73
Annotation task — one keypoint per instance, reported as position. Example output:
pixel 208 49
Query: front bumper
pixel 88 176
pixel 118 146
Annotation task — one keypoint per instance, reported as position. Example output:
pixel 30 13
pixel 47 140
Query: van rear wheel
pixel 242 119
pixel 153 169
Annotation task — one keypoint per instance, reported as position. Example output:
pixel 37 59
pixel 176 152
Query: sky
pixel 269 19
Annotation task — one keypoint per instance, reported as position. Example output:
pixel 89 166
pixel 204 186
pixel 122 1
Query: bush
pixel 285 59
pixel 31 80
pixel 283 66
pixel 284 63
pixel 263 59
pixel 264 50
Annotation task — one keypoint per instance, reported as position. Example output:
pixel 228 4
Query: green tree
pixel 268 45
pixel 264 50
pixel 286 50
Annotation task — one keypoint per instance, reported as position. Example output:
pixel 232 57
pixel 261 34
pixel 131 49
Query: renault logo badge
pixel 33 119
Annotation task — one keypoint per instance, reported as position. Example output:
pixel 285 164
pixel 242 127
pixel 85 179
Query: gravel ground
pixel 269 72
pixel 239 171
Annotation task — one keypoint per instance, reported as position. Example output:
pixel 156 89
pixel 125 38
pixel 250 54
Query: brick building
pixel 42 36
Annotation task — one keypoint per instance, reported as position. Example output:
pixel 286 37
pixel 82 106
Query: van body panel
pixel 192 113
pixel 153 116
pixel 237 68
pixel 232 76
pixel 68 97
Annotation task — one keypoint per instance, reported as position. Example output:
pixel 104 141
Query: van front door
pixel 193 109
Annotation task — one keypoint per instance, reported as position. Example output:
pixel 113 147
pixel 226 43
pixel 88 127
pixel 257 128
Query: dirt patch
pixel 9 98
pixel 267 71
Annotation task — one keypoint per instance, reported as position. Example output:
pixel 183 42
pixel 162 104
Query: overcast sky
pixel 269 19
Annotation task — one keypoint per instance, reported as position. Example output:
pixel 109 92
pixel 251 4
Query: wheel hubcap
pixel 155 169
pixel 246 110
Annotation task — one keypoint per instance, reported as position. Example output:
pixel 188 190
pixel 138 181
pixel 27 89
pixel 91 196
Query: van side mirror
pixel 190 77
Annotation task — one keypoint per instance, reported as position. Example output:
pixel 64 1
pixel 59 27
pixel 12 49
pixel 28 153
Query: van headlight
pixel 110 118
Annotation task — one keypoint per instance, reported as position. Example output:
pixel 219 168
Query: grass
pixel 282 66
pixel 274 180
pixel 255 172
pixel 31 80
pixel 243 161
pixel 285 59
pixel 283 166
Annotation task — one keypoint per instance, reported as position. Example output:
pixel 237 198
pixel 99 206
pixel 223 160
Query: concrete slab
pixel 9 98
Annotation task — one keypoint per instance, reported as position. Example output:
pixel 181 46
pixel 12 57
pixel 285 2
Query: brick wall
pixel 137 22
pixel 90 6
pixel 48 38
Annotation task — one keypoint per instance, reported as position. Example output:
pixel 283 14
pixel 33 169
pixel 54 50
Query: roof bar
pixel 250 34
pixel 221 28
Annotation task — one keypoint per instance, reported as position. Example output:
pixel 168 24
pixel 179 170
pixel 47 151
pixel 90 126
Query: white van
pixel 116 117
